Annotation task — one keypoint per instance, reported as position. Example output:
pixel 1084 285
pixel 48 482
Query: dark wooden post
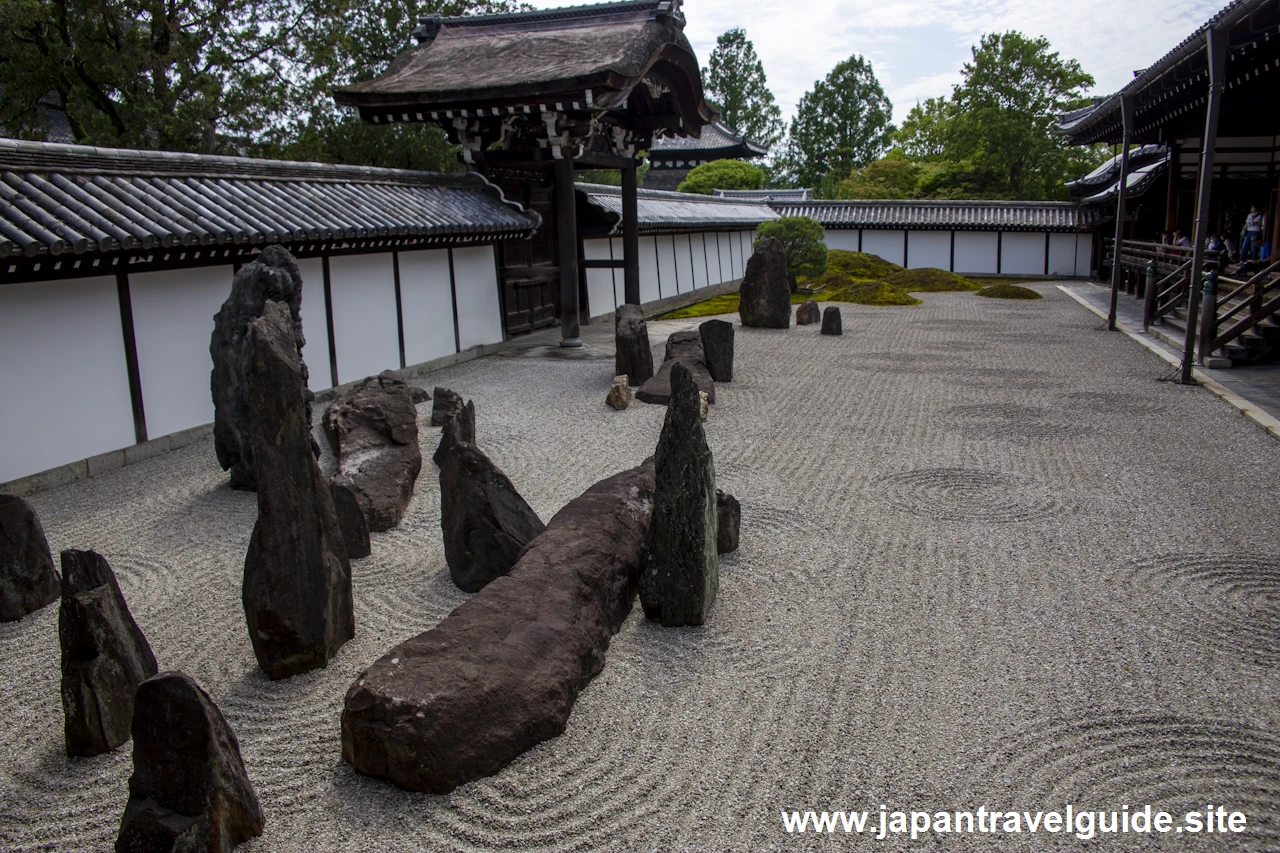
pixel 630 237
pixel 1126 112
pixel 567 234
pixel 1217 45
pixel 1175 176
pixel 1149 297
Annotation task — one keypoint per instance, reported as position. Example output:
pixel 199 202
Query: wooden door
pixel 530 276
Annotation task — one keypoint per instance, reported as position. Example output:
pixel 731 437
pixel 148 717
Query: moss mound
pixel 930 280
pixel 860 264
pixel 870 293
pixel 1008 291
pixel 725 303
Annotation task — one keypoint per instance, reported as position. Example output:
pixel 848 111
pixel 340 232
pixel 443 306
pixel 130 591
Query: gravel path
pixel 987 556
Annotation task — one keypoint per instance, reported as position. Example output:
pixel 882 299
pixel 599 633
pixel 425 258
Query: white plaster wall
pixel 476 286
pixel 649 290
pixel 929 249
pixel 718 245
pixel 64 384
pixel 1022 253
pixel 172 322
pixel 364 315
pixel 684 263
pixel 314 326
pixel 845 238
pixel 1084 254
pixel 667 265
pixel 885 244
pixel 600 299
pixel 1062 254
pixel 976 252
pixel 698 245
pixel 427 305
pixel 744 250
pixel 735 255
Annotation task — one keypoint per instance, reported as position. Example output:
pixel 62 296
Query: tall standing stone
pixel 728 521
pixel 632 354
pixel 273 277
pixel 374 432
pixel 297 580
pixel 765 295
pixel 717 349
pixel 684 348
pixel 831 323
pixel 459 429
pixel 355 530
pixel 104 655
pixel 189 792
pixel 486 523
pixel 28 580
pixel 680 575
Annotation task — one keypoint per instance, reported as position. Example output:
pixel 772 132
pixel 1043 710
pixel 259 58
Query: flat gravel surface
pixel 988 557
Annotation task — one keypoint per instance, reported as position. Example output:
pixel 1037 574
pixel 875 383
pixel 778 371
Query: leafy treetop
pixel 734 81
pixel 802 237
pixel 722 175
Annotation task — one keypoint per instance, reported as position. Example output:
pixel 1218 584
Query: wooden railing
pixel 1262 300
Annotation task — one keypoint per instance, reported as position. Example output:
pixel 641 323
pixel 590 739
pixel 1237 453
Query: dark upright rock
pixel 632 355
pixel 680 576
pixel 485 521
pixel 374 432
pixel 459 429
pixel 104 655
pixel 765 294
pixel 444 405
pixel 297 581
pixel 728 520
pixel 274 276
pixel 502 672
pixel 684 348
pixel 808 313
pixel 188 792
pixel 28 581
pixel 418 395
pixel 717 349
pixel 355 531
pixel 831 323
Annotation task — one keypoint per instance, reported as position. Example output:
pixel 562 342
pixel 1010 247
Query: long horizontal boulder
pixel 501 673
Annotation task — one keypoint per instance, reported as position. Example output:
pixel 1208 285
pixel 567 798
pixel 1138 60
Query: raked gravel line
pixel 987 556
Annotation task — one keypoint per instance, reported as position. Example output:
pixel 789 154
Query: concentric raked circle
pixel 962 494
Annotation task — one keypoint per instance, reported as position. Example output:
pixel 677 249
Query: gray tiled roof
pixel 788 195
pixel 1140 180
pixel 1109 172
pixel 71 198
pixel 660 211
pixel 945 215
pixel 715 136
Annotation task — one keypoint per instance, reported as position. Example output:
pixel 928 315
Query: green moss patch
pixel 930 280
pixel 725 303
pixel 860 264
pixel 1008 291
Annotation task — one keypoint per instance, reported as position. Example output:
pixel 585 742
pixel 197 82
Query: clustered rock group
pixel 548 596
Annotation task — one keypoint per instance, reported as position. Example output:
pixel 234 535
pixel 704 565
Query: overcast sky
pixel 917 48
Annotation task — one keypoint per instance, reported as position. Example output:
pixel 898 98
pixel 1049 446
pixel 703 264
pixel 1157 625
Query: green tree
pixel 891 177
pixel 735 82
pixel 802 237
pixel 722 175
pixel 1006 111
pixel 925 132
pixel 842 124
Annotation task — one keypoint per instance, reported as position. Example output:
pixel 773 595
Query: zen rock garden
pixel 545 598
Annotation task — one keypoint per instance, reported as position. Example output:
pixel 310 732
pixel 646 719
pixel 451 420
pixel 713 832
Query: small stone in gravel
pixel 458 429
pixel 619 393
pixel 717 349
pixel 104 655
pixel 355 532
pixel 765 292
pixel 28 580
pixel 808 313
pixel 729 518
pixel 501 673
pixel 373 429
pixel 685 348
pixel 486 523
pixel 297 579
pixel 444 405
pixel 418 395
pixel 189 792
pixel 632 355
pixel 272 277
pixel 831 323
pixel 680 576
pixel 703 405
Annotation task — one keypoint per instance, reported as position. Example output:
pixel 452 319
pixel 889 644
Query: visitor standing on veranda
pixel 1251 236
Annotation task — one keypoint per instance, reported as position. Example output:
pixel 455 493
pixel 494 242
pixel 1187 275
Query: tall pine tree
pixel 734 81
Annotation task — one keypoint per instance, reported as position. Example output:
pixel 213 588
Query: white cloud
pixel 917 48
